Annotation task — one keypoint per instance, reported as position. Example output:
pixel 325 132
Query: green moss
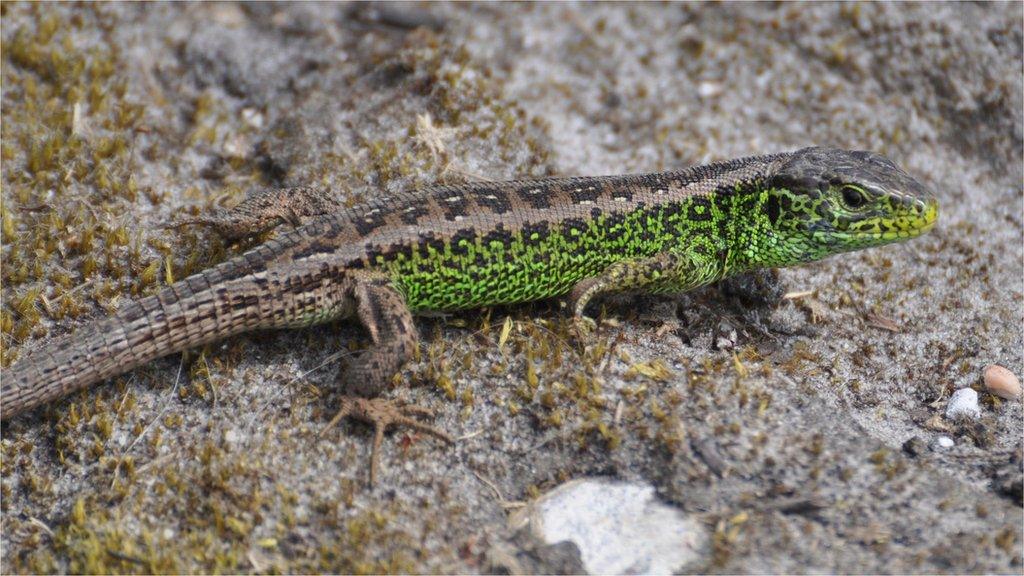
pixel 53 168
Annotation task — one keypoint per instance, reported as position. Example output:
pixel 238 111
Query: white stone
pixel 252 117
pixel 963 404
pixel 709 89
pixel 619 527
pixel 944 442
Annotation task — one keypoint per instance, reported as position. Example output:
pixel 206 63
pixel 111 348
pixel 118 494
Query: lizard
pixel 446 248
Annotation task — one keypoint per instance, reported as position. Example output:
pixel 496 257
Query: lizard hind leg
pixel 382 310
pixel 267 209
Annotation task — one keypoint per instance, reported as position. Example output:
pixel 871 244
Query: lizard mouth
pixel 919 220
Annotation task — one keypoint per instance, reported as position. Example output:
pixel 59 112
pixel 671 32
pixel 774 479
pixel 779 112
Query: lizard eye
pixel 854 197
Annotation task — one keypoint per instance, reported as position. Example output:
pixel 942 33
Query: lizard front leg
pixel 665 272
pixel 267 209
pixel 760 288
pixel 382 310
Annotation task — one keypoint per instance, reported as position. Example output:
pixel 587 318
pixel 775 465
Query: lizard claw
pixel 381 413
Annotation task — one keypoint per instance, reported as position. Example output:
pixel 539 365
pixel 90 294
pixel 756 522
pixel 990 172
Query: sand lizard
pixel 455 247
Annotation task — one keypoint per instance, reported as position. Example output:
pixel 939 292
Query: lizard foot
pixel 381 413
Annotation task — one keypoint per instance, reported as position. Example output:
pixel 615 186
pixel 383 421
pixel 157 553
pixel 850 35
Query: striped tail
pixel 227 299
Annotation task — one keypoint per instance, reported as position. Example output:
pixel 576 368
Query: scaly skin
pixel 448 248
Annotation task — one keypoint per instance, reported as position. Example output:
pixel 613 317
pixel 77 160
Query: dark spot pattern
pixel 411 214
pixel 700 209
pixel 494 199
pixel 585 193
pixel 533 231
pixel 430 241
pixel 500 235
pixel 537 195
pixel 453 205
pixel 366 224
pixel 614 228
pixel 572 227
pixel 773 209
pixel 462 241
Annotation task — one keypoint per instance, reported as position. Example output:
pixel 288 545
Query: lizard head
pixel 822 201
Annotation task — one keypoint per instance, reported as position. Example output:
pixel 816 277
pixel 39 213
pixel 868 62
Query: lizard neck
pixel 769 233
pixel 753 238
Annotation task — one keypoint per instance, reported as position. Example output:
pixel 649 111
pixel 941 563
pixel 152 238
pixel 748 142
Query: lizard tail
pixel 203 308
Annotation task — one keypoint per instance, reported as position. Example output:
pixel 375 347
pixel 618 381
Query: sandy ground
pixel 798 432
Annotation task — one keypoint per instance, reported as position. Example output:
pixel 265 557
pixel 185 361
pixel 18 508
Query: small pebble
pixel 252 117
pixel 963 404
pixel 1001 382
pixel 943 443
pixel 726 339
pixel 708 89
